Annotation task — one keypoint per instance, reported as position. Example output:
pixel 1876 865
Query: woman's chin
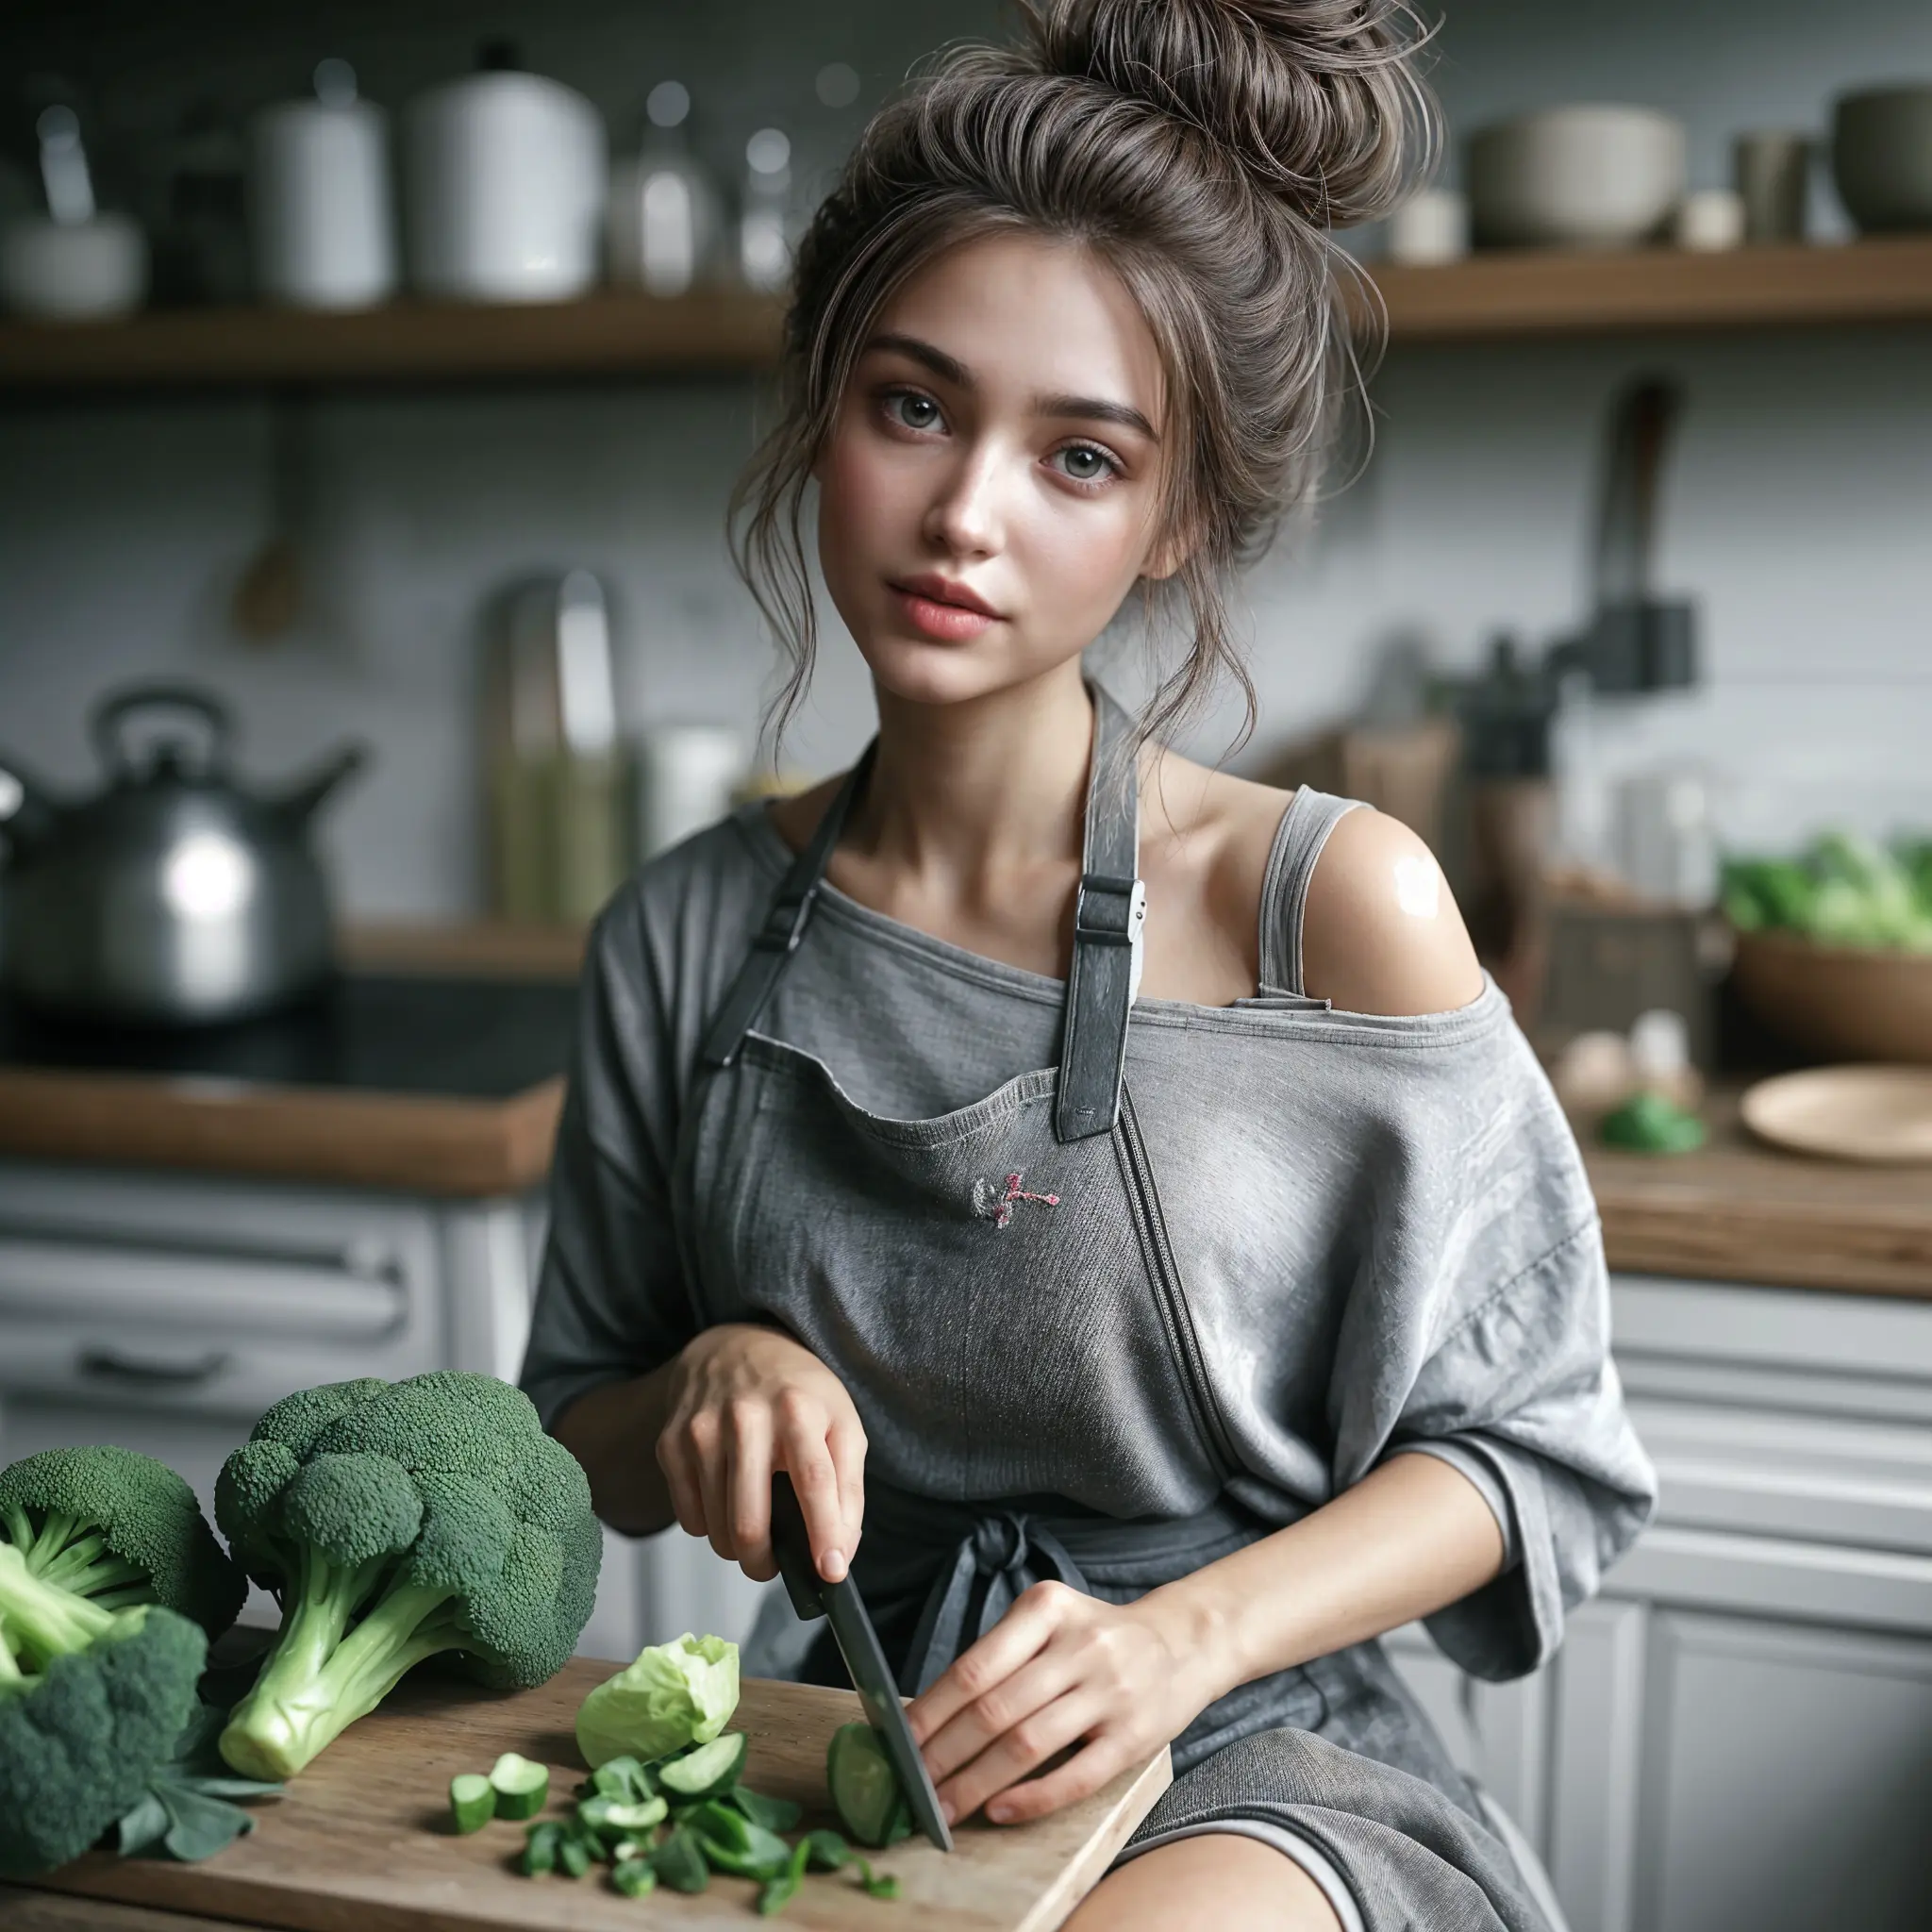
pixel 921 672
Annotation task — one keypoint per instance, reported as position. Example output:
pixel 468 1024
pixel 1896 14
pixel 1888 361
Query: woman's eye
pixel 910 410
pixel 1084 463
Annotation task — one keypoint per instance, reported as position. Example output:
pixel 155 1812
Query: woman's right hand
pixel 743 1401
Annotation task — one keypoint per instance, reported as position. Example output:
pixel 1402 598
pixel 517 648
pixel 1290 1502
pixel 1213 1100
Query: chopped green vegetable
pixel 865 1787
pixel 679 1861
pixel 673 1695
pixel 774 1814
pixel 573 1855
pixel 521 1786
pixel 540 1844
pixel 829 1852
pixel 1649 1123
pixel 778 1892
pixel 712 1767
pixel 398 1522
pixel 622 1778
pixel 733 1843
pixel 472 1801
pixel 634 1877
pixel 615 1818
pixel 875 1884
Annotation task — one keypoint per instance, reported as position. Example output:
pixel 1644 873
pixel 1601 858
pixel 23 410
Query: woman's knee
pixel 1211 1882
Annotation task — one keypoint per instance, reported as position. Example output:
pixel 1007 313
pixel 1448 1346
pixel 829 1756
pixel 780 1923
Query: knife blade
pixel 842 1607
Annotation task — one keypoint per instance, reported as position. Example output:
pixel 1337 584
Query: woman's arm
pixel 1413 1536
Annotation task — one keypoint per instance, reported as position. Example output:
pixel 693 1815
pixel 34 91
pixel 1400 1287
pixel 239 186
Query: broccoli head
pixel 395 1521
pixel 118 1528
pixel 91 1701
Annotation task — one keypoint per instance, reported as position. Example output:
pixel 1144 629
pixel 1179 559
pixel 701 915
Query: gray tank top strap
pixel 1304 831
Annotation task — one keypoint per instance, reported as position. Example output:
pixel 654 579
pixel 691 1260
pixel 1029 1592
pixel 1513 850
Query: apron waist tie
pixel 971 1562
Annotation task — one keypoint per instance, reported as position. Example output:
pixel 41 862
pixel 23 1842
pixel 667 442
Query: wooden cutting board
pixel 361 1841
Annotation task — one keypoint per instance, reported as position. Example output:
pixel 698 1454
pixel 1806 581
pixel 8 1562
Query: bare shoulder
pixel 1381 932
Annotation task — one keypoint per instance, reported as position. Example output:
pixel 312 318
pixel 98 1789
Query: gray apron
pixel 1012 1263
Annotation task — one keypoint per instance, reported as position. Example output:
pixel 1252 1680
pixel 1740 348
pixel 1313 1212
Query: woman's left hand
pixel 1059 1667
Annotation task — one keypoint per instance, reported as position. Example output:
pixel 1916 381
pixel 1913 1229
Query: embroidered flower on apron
pixel 996 1206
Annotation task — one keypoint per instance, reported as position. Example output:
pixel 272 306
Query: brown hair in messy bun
pixel 1204 149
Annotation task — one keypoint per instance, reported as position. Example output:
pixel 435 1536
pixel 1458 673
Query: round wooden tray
pixel 1880 1114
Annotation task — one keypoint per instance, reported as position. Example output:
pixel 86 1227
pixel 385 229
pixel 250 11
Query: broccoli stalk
pixel 396 1521
pixel 41 1621
pixel 323 1673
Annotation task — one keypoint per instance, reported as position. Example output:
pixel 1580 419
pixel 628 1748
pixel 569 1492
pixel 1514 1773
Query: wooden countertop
pixel 1739 1210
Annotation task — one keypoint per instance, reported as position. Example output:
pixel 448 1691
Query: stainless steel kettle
pixel 172 896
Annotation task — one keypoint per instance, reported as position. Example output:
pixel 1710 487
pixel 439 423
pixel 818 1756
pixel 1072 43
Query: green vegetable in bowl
pixel 109 1586
pixel 399 1520
pixel 1841 890
pixel 674 1695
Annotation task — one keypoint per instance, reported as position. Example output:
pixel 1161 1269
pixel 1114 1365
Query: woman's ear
pixel 1170 552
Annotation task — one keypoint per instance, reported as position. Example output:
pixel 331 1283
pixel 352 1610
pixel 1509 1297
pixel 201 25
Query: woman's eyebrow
pixel 942 365
pixel 1097 409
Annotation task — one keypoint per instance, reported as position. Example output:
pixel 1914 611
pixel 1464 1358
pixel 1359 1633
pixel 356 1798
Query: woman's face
pixel 990 490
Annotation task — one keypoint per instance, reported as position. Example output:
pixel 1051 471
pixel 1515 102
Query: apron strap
pixel 785 923
pixel 1109 912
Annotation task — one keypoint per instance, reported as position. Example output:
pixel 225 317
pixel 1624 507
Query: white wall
pixel 1798 509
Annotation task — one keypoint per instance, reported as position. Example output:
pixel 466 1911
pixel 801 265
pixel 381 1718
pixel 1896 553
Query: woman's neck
pixel 960 794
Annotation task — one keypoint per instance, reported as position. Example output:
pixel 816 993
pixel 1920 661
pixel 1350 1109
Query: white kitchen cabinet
pixel 1738 1733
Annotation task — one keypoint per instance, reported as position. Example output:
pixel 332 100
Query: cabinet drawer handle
pixel 107 1365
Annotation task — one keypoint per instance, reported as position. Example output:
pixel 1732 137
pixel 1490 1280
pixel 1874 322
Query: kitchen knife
pixel 859 1644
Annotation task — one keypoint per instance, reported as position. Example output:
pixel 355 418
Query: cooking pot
pixel 172 896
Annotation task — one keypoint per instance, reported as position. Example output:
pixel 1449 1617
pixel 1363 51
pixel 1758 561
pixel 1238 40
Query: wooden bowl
pixel 1860 1003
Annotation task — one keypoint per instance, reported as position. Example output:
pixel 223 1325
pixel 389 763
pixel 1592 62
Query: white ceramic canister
pixel 320 201
pixel 505 177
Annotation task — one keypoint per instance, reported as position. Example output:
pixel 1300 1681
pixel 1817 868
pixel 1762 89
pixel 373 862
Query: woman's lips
pixel 934 617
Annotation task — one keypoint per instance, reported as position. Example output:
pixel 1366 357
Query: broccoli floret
pixel 118 1528
pixel 91 1701
pixel 396 1521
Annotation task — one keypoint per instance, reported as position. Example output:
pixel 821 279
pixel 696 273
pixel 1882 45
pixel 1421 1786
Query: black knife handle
pixel 793 1547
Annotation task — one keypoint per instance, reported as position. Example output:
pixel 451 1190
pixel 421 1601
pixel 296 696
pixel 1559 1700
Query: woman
pixel 1111 1189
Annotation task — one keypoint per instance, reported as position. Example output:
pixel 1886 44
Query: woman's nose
pixel 965 518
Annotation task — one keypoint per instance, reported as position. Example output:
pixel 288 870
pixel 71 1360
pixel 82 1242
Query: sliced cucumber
pixel 619 1819
pixel 865 1787
pixel 522 1787
pixel 710 1768
pixel 472 1801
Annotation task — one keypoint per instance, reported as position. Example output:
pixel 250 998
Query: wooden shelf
pixel 1487 298
pixel 1501 297
pixel 419 343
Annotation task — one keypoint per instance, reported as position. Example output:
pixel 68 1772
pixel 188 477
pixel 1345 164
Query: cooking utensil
pixel 865 1663
pixel 1575 176
pixel 172 896
pixel 1881 157
pixel 319 197
pixel 1846 1113
pixel 504 180
pixel 268 594
pixel 1865 1003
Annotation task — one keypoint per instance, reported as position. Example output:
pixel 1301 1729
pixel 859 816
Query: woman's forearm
pixel 613 1432
pixel 1411 1536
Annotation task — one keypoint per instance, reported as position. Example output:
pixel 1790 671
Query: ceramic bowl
pixel 1576 178
pixel 72 271
pixel 1881 158
pixel 1860 1003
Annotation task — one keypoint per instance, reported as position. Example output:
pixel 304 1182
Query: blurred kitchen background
pixel 380 375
